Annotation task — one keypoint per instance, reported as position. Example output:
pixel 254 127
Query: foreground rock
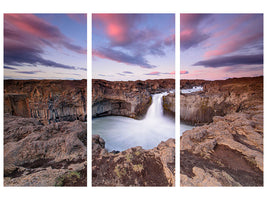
pixel 126 98
pixel 228 151
pixel 133 167
pixel 47 100
pixel 44 155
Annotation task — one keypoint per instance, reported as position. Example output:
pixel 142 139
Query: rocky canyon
pixel 45 133
pixel 226 146
pixel 134 166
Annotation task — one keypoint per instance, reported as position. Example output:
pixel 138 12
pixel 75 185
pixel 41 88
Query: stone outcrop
pixel 229 150
pixel 169 103
pixel 133 167
pixel 125 98
pixel 44 155
pixel 47 100
pixel 220 98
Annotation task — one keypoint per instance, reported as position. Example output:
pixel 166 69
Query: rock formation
pixel 229 150
pixel 44 155
pixel 220 98
pixel 125 98
pixel 133 167
pixel 47 100
pixel 44 137
pixel 169 103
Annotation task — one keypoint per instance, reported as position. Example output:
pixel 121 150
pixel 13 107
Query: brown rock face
pixel 44 155
pixel 47 100
pixel 125 98
pixel 133 167
pixel 169 103
pixel 228 151
pixel 220 98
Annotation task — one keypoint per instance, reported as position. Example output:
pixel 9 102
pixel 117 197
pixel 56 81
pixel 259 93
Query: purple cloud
pixel 127 72
pixel 12 68
pixel 128 42
pixel 231 61
pixel 121 57
pixel 191 35
pixel 25 37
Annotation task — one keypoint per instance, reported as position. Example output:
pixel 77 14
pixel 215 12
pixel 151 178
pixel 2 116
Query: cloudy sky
pixel 45 46
pixel 133 46
pixel 221 46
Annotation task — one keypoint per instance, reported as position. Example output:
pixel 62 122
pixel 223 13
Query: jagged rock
pixel 228 151
pixel 47 100
pixel 125 98
pixel 134 166
pixel 37 154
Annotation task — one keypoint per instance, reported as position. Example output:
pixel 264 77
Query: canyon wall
pixel 126 98
pixel 220 98
pixel 169 103
pixel 47 100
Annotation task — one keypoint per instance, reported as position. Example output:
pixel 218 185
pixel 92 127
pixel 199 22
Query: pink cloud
pixel 233 44
pixel 184 72
pixel 191 35
pixel 116 26
pixel 170 40
pixel 31 29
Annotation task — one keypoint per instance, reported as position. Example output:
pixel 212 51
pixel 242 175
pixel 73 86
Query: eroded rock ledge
pixel 228 151
pixel 133 167
pixel 126 98
pixel 44 155
pixel 47 100
pixel 219 98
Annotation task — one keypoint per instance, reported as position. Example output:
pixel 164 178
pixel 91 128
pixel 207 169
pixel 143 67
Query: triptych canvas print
pixel 133 111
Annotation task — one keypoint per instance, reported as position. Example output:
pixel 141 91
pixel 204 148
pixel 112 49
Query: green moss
pixel 138 168
pixel 137 153
pixel 120 171
pixel 129 157
pixel 70 175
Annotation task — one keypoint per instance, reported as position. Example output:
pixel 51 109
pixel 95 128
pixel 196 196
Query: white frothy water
pixel 121 133
pixel 194 89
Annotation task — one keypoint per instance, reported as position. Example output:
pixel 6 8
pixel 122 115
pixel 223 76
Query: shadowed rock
pixel 125 98
pixel 37 154
pixel 47 100
pixel 133 167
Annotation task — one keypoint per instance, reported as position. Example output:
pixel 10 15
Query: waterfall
pixel 121 133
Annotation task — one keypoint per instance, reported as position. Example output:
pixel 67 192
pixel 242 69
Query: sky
pixel 45 46
pixel 133 46
pixel 221 46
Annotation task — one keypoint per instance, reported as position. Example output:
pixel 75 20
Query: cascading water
pixel 121 133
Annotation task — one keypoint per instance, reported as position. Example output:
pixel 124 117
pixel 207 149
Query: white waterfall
pixel 121 133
